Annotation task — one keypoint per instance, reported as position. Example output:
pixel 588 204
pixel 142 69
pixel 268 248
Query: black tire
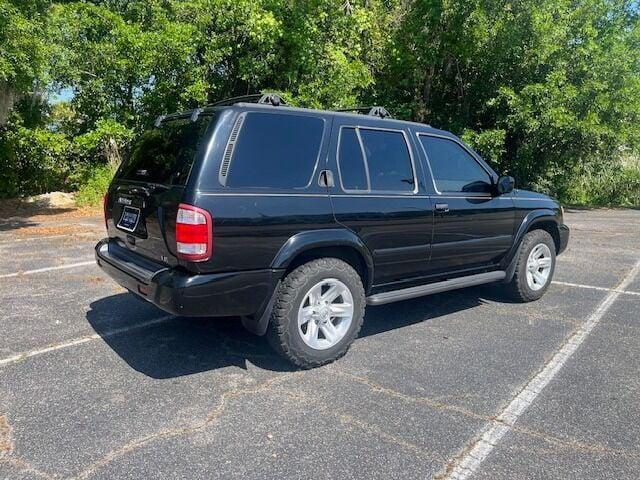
pixel 283 333
pixel 518 288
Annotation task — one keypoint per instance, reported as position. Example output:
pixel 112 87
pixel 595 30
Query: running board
pixel 422 290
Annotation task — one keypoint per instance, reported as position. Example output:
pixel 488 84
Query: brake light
pixel 194 233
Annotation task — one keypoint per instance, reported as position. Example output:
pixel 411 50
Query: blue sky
pixel 63 95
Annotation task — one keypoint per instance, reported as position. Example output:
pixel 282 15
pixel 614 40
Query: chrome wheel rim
pixel 325 314
pixel 539 266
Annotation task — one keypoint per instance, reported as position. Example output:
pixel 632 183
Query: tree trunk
pixel 7 100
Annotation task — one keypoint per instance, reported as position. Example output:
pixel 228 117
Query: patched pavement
pixel 97 384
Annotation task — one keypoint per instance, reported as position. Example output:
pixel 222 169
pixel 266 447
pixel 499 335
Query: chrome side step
pixel 422 290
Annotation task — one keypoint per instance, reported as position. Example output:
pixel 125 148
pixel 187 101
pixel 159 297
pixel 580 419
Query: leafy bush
pixel 38 160
pixel 33 161
pixel 104 143
pixel 544 89
pixel 95 186
pixel 617 185
pixel 489 144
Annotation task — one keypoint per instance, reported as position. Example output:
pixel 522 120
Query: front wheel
pixel 535 266
pixel 318 312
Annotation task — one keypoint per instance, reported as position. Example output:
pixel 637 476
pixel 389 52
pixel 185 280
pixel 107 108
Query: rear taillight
pixel 105 201
pixel 194 233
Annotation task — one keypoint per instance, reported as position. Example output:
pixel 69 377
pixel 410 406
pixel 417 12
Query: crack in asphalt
pixel 376 387
pixel 217 412
pixel 211 418
pixel 6 452
pixel 390 438
pixel 6 441
pixel 572 444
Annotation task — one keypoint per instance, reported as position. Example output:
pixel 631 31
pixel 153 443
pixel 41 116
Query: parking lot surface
pixel 97 384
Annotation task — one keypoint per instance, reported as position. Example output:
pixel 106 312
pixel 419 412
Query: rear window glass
pixel 275 151
pixel 165 154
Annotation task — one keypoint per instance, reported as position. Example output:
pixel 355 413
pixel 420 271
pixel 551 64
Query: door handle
pixel 326 178
pixel 442 207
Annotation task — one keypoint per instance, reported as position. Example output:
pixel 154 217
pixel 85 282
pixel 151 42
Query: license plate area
pixel 129 219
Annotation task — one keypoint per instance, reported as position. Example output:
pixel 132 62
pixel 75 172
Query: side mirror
pixel 505 184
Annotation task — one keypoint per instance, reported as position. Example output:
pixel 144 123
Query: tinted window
pixel 165 154
pixel 454 169
pixel 388 160
pixel 275 151
pixel 352 170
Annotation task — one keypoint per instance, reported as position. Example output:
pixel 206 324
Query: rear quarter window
pixel 275 151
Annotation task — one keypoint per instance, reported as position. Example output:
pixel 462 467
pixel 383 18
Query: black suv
pixel 295 219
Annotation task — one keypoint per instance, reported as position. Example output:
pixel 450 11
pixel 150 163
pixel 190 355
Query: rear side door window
pixel 375 160
pixel 274 151
pixel 454 170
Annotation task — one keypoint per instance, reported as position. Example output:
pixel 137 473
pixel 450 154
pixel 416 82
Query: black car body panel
pixel 182 293
pixel 308 241
pixel 394 226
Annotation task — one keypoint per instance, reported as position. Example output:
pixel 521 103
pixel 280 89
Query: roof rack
pixel 264 98
pixel 375 111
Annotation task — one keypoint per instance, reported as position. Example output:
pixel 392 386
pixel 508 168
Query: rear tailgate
pixel 143 199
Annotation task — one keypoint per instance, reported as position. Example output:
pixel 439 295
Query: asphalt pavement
pixel 95 383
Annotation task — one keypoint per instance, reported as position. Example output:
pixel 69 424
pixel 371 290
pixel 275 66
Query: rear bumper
pixel 564 237
pixel 179 292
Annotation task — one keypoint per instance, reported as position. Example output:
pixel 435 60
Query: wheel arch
pixel 336 243
pixel 550 226
pixel 543 219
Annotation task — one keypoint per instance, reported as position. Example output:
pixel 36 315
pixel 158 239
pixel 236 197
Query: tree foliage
pixel 547 90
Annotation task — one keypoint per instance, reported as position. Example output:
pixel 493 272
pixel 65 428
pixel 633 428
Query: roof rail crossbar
pixel 263 98
pixel 374 111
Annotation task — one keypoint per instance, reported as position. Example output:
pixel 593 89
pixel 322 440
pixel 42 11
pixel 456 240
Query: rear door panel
pixel 396 227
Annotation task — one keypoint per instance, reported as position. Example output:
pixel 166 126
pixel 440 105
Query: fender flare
pixel 298 244
pixel 330 237
pixel 532 218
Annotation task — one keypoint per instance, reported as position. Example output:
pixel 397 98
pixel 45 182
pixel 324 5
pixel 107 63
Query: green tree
pixel 23 51
pixel 542 88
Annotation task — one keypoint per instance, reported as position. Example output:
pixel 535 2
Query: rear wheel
pixel 535 266
pixel 318 312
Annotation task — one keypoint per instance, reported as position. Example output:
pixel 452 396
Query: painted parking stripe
pixel 48 269
pixel 82 340
pixel 593 287
pixel 44 237
pixel 79 341
pixel 478 449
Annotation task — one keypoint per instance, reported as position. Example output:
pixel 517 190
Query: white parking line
pixel 45 237
pixel 48 269
pixel 79 341
pixel 478 449
pixel 593 287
